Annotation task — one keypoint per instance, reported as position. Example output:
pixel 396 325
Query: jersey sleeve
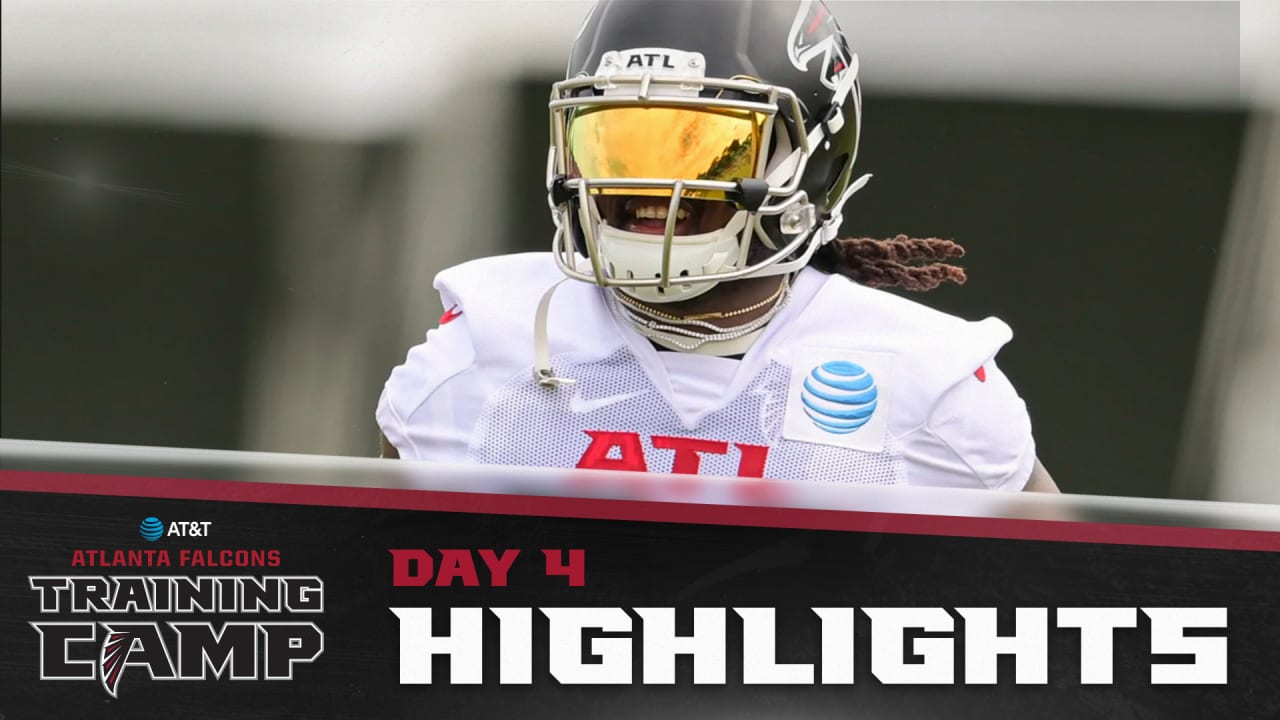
pixel 979 434
pixel 411 413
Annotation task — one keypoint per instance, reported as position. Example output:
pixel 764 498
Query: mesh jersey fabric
pixel 522 424
pixel 467 394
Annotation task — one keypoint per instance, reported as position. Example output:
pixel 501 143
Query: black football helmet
pixel 677 102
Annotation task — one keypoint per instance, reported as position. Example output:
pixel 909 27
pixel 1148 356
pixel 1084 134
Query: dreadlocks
pixel 905 262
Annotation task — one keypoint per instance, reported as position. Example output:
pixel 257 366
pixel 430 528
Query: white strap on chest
pixel 542 372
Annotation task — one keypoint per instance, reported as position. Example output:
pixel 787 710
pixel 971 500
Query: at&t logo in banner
pixel 152 528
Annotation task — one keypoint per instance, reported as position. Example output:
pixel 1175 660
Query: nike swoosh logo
pixel 579 404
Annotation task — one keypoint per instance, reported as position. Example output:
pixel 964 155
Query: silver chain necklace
pixel 668 329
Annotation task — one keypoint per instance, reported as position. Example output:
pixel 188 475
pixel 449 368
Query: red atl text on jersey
pixel 630 453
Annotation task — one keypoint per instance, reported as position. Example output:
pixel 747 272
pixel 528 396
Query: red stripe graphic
pixel 640 511
pixel 822 12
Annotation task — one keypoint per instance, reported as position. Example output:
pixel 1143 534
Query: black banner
pixel 152 598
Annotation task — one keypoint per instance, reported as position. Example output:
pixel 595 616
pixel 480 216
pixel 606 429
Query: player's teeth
pixel 655 212
pixel 652 212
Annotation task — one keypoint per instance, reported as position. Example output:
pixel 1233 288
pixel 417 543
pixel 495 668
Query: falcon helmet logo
pixel 814 34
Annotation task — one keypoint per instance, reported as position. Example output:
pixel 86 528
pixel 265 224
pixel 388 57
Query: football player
pixel 698 312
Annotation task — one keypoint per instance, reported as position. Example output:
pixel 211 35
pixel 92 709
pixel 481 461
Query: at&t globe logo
pixel 151 529
pixel 839 396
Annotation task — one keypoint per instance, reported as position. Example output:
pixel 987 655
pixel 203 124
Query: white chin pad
pixel 675 293
pixel 629 255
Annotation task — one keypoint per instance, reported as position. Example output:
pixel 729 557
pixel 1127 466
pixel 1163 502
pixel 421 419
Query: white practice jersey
pixel 847 384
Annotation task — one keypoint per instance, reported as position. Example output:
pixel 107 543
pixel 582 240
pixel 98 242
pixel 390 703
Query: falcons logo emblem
pixel 814 34
pixel 115 651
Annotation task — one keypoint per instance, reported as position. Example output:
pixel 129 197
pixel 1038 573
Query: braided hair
pixel 904 262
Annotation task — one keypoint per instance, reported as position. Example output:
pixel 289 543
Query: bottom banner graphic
pixel 149 598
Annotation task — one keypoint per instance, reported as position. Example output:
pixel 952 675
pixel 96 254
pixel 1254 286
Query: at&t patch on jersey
pixel 839 398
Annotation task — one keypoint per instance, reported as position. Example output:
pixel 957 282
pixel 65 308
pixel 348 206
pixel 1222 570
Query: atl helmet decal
pixel 814 33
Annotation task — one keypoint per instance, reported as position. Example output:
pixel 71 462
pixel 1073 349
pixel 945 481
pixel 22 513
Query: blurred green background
pixel 239 285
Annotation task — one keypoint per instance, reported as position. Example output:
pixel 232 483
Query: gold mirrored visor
pixel 670 143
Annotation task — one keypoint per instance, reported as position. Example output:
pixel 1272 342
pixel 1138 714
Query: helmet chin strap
pixel 823 234
pixel 837 208
pixel 542 372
